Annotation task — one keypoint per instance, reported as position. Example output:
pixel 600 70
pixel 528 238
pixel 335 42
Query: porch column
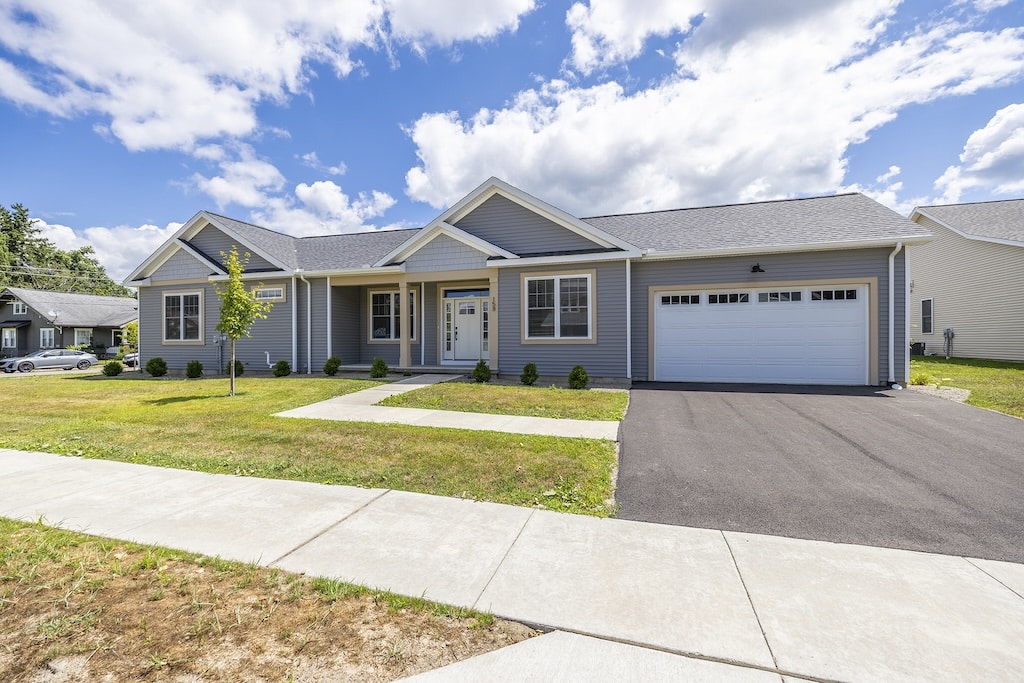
pixel 492 345
pixel 404 360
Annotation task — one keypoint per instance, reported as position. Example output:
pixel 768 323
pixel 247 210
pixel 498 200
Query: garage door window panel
pixel 730 298
pixel 778 297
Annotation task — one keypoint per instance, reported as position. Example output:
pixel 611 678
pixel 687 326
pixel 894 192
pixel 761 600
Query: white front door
pixel 464 328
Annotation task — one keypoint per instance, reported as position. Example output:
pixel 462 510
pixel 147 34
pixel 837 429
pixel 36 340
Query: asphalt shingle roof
pixel 352 250
pixel 834 219
pixel 1002 220
pixel 83 310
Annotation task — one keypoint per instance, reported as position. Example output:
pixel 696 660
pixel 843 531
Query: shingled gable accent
pixel 179 242
pixel 424 237
pixel 998 222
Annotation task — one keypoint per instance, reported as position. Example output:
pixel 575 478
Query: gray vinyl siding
pixel 514 228
pixel 212 242
pixel 853 264
pixel 181 266
pixel 975 289
pixel 316 292
pixel 606 358
pixel 444 253
pixel 345 322
pixel 390 351
pixel 432 326
pixel 272 334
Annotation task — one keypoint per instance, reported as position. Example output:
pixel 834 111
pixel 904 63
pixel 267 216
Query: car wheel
pixel 84 364
pixel 26 367
pixel 67 368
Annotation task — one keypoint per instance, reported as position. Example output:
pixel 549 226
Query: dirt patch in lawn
pixel 80 608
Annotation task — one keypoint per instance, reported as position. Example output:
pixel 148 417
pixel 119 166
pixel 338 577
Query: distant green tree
pixel 32 261
pixel 239 308
pixel 130 334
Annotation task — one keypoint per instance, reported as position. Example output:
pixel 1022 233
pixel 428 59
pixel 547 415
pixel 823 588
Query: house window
pixel 20 308
pixel 773 297
pixel 183 317
pixel 10 338
pixel 385 316
pixel 731 298
pixel 269 293
pixel 83 335
pixel 46 338
pixel 679 299
pixel 926 316
pixel 833 295
pixel 558 307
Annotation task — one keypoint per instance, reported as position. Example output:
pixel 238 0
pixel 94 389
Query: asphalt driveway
pixel 896 469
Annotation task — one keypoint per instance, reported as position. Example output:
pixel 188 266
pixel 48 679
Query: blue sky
pixel 119 121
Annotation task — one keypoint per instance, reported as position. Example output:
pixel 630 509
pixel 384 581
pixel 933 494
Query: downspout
pixel 330 346
pixel 906 316
pixel 629 321
pixel 892 315
pixel 309 323
pixel 295 327
pixel 423 324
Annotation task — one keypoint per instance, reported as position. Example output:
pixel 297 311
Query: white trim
pixel 965 235
pixel 278 297
pixel 906 318
pixel 564 260
pixel 423 323
pixel 330 344
pixel 87 330
pixel 407 308
pixel 654 255
pixel 892 312
pixel 53 337
pixel 180 293
pixel 629 321
pixel 295 326
pixel 19 304
pixel 193 252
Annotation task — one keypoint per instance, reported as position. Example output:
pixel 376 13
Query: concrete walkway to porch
pixel 361 407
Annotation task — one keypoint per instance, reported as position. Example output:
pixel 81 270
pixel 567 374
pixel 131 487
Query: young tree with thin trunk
pixel 239 308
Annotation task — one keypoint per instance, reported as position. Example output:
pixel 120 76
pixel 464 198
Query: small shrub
pixel 282 368
pixel 920 379
pixel 482 373
pixel 112 368
pixel 529 375
pixel 332 365
pixel 194 369
pixel 379 369
pixel 156 367
pixel 578 378
pixel 239 368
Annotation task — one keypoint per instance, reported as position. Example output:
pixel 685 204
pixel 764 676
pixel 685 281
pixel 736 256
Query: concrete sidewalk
pixel 643 601
pixel 361 406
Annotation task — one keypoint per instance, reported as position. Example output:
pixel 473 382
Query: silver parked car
pixel 48 359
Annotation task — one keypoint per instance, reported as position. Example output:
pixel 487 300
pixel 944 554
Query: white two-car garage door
pixel 788 335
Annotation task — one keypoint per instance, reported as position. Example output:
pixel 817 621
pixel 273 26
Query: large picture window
pixel 386 316
pixel 183 317
pixel 558 307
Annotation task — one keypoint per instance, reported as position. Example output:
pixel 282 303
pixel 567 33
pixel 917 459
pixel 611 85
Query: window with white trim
pixel 83 335
pixel 386 316
pixel 46 338
pixel 183 316
pixel 926 316
pixel 269 293
pixel 10 338
pixel 20 308
pixel 558 307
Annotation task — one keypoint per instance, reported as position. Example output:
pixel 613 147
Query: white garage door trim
pixel 785 333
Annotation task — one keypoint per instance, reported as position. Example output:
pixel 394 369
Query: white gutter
pixel 629 321
pixel 892 313
pixel 330 346
pixel 655 255
pixel 423 324
pixel 295 327
pixel 309 323
pixel 571 259
pixel 367 270
pixel 906 317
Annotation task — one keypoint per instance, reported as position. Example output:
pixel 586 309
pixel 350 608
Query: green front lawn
pixel 193 424
pixel 993 384
pixel 512 400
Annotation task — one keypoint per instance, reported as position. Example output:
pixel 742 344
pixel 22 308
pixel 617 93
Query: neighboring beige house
pixel 970 279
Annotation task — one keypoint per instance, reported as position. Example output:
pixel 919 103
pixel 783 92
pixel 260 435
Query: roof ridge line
pixel 722 206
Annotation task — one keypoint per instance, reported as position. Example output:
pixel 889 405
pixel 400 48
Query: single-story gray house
pixel 795 291
pixel 968 280
pixel 34 319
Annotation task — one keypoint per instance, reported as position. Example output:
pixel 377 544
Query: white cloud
pixel 244 180
pixel 170 74
pixel 759 113
pixel 120 249
pixel 993 158
pixel 322 208
pixel 311 160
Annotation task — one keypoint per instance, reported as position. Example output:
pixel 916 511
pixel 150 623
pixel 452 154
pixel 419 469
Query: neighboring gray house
pixel 969 279
pixel 796 291
pixel 33 319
